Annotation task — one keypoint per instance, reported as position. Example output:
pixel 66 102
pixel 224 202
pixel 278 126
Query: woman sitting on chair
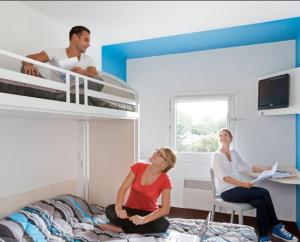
pixel 226 165
pixel 141 213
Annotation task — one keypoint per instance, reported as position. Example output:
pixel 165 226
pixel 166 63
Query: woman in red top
pixel 141 213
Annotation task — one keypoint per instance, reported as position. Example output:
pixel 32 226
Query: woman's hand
pixel 137 220
pixel 259 169
pixel 121 213
pixel 237 182
pixel 246 184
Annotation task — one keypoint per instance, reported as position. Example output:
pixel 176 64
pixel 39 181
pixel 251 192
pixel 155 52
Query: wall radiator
pixel 197 194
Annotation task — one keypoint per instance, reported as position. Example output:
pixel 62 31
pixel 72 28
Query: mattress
pixel 15 88
pixel 69 218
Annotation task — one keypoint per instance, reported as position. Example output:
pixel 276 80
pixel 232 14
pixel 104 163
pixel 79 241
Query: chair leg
pixel 232 216
pixel 241 218
pixel 213 213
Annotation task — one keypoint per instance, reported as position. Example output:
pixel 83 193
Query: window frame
pixel 230 96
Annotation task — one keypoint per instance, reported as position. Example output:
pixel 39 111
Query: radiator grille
pixel 197 184
pixel 197 194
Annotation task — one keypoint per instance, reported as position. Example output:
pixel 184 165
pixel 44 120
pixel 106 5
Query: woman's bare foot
pixel 111 227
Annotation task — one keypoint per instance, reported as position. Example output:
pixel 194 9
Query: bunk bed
pixel 109 110
pixel 106 111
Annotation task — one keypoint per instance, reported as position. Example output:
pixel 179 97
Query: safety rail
pixel 66 86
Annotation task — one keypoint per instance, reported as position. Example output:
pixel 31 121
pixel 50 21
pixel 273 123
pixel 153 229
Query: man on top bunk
pixel 79 37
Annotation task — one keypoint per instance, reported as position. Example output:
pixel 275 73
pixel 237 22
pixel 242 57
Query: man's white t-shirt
pixel 223 167
pixel 59 54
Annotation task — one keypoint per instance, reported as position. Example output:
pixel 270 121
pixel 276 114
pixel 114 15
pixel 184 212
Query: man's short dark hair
pixel 78 31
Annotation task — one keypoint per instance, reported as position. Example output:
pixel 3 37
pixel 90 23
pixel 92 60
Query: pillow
pixel 5 239
pixel 79 206
pixel 10 229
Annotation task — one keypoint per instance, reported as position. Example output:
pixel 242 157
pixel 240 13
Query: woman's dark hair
pixel 78 30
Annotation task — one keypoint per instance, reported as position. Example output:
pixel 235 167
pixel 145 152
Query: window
pixel 196 121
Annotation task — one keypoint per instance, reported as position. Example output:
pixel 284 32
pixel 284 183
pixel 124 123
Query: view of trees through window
pixel 197 124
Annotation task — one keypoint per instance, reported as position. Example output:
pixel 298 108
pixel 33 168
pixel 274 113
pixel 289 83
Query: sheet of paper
pixel 118 240
pixel 173 236
pixel 180 237
pixel 69 63
pixel 266 174
pixel 142 239
pixel 279 175
pixel 188 238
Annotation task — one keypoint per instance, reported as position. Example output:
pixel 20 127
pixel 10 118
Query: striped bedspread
pixel 69 218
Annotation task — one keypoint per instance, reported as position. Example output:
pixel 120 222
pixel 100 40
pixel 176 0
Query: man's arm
pixel 29 68
pixel 89 71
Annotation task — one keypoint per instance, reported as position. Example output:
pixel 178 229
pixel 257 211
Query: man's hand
pixel 79 70
pixel 121 213
pixel 137 220
pixel 30 69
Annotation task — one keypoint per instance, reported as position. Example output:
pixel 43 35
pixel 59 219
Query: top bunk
pixel 71 95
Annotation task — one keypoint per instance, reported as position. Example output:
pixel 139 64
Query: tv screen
pixel 273 92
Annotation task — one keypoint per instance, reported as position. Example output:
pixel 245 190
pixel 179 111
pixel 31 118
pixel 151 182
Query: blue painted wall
pixel 114 57
pixel 298 140
pixel 114 62
pixel 298 167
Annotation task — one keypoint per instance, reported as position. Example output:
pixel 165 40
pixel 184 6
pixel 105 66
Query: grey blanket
pixel 69 218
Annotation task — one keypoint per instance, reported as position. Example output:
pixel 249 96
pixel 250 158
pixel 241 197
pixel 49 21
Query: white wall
pixel 95 52
pixel 26 31
pixel 261 140
pixel 34 152
pixel 37 153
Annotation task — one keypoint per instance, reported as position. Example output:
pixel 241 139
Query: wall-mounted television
pixel 273 92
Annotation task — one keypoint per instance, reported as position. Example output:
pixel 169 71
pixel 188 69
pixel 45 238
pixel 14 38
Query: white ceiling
pixel 122 21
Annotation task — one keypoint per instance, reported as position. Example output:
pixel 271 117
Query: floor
pixel 221 217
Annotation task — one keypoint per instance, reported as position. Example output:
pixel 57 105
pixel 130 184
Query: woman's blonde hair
pixel 170 157
pixel 228 132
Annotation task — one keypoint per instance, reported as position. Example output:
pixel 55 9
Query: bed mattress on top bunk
pixel 12 87
pixel 69 218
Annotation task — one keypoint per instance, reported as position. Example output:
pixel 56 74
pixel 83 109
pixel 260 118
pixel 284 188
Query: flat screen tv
pixel 273 92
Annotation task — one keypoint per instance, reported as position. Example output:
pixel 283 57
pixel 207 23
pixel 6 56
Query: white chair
pixel 218 201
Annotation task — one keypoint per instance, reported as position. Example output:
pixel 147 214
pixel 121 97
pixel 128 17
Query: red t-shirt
pixel 145 197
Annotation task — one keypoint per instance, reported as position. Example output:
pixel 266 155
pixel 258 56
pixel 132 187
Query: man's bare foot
pixel 111 227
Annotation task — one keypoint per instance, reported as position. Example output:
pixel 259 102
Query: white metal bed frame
pixel 26 103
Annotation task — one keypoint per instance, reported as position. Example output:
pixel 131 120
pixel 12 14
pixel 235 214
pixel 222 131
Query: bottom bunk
pixel 69 218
